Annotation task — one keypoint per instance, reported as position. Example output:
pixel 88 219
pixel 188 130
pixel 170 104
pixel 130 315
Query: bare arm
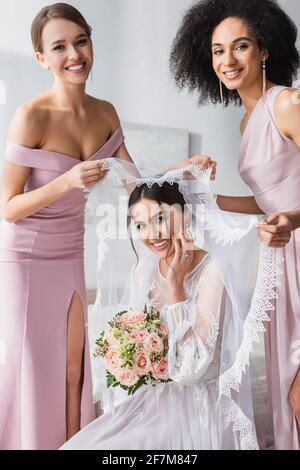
pixel 287 113
pixel 15 204
pixel 277 230
pixel 242 205
pixel 122 152
pixel 26 130
pixel 113 117
pixel 202 160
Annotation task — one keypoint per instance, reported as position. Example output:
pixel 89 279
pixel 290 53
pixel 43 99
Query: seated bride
pixel 173 348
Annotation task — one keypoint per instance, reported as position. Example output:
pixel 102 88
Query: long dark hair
pixel 166 193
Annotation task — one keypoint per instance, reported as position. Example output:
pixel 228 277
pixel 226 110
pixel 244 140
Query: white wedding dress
pixel 182 414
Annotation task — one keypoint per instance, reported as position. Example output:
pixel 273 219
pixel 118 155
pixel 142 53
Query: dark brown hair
pixel 57 10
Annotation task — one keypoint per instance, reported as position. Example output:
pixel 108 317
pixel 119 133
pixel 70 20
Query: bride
pixel 183 275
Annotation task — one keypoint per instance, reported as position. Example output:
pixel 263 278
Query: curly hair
pixel 191 56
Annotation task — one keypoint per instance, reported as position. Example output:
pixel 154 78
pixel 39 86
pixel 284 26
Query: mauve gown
pixel 41 267
pixel 270 166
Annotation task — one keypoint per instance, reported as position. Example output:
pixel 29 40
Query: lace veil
pixel 248 269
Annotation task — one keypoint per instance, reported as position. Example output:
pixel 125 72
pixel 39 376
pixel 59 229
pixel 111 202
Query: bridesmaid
pixel 54 143
pixel 243 52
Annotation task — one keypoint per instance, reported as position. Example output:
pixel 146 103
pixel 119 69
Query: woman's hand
pixel 85 174
pixel 277 230
pixel 202 160
pixel 179 268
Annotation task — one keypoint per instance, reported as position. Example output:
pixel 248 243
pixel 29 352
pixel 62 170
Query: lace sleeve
pixel 194 328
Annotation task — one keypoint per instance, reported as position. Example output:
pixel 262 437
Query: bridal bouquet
pixel 134 349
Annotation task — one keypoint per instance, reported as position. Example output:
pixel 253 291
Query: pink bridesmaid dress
pixel 270 166
pixel 41 267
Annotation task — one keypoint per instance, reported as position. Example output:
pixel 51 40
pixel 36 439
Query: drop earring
pixel 264 77
pixel 221 94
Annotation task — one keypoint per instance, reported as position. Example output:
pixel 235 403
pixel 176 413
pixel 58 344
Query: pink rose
pixel 142 363
pixel 160 370
pixel 154 344
pixel 126 377
pixel 109 337
pixel 138 336
pixel 132 318
pixel 163 327
pixel 112 360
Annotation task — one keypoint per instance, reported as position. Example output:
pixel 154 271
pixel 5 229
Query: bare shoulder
pixel 286 100
pixel 287 110
pixel 106 110
pixel 28 124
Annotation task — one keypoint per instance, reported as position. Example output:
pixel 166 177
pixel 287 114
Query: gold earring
pixel 264 77
pixel 221 94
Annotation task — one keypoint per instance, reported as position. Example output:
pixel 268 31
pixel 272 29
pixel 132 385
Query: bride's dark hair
pixel 166 193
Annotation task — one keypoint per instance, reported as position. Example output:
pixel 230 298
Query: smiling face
pixel 67 51
pixel 157 225
pixel 237 58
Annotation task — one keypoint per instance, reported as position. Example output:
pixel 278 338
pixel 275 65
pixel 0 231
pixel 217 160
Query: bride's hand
pixel 179 268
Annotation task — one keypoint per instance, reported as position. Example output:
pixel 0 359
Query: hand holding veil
pixel 248 270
